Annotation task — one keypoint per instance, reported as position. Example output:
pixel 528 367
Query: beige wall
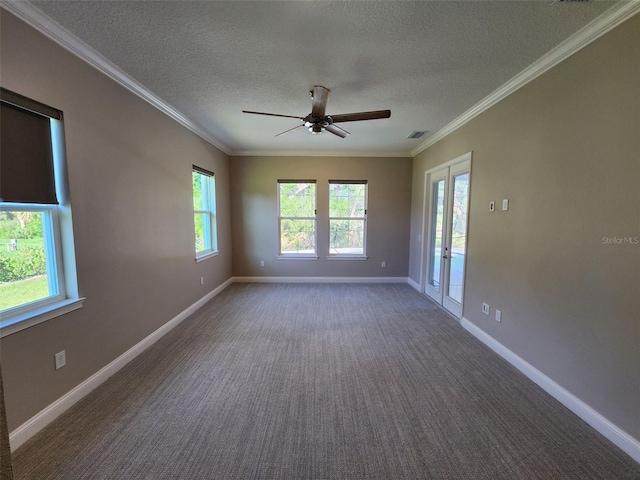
pixel 564 149
pixel 255 214
pixel 130 179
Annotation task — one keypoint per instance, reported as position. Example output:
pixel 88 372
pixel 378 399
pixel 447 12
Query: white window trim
pixel 296 255
pixel 346 256
pixel 209 203
pixel 203 256
pixel 352 256
pixel 38 315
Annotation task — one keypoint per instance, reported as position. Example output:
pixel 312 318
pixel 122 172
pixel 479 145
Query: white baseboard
pixel 415 285
pixel 619 437
pixel 320 279
pixel 32 426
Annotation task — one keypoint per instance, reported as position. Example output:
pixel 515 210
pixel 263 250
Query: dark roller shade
pixel 26 156
pixel 351 182
pixel 202 171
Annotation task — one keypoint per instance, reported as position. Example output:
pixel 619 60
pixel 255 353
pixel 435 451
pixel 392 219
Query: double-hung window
pixel 37 257
pixel 204 213
pixel 297 218
pixel 347 218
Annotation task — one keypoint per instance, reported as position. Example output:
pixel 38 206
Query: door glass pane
pixel 435 248
pixel 458 235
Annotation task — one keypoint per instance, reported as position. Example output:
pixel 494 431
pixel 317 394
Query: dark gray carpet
pixel 320 381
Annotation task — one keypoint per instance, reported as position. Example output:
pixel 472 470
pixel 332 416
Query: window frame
pixel 208 197
pixel 61 245
pixel 53 255
pixel 297 255
pixel 363 218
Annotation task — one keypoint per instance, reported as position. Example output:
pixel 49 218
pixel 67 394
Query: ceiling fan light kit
pixel 314 129
pixel 317 122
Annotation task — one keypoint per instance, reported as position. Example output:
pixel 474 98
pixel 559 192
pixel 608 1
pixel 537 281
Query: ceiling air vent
pixel 416 134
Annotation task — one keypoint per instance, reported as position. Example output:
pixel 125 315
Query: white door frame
pixel 437 175
pixel 449 304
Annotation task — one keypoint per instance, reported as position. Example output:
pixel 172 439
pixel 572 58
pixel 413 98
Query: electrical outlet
pixel 486 309
pixel 505 204
pixel 262 263
pixel 498 316
pixel 61 359
pixel 384 264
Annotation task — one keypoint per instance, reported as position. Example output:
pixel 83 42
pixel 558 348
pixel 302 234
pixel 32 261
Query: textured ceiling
pixel 428 62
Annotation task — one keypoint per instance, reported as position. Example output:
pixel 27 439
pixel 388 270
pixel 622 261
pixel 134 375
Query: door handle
pixel 445 257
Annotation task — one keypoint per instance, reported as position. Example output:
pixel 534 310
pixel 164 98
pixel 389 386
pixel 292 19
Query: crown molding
pixel 34 17
pixel 319 153
pixel 610 19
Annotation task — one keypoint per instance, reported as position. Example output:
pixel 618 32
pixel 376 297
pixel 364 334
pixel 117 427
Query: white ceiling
pixel 428 62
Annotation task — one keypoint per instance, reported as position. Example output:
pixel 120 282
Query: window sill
pixel 297 257
pixel 204 256
pixel 39 315
pixel 347 257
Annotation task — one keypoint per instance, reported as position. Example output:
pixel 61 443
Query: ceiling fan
pixel 317 122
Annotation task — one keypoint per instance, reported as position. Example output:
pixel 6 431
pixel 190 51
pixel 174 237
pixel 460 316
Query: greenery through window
pixel 347 217
pixel 297 218
pixel 28 269
pixel 204 212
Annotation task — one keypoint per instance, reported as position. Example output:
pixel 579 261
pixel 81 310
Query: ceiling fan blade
pixel 272 114
pixel 320 97
pixel 354 117
pixel 290 130
pixel 336 131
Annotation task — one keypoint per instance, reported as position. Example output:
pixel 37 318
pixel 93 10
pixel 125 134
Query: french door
pixel 447 205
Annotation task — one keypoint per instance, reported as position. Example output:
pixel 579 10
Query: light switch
pixel 505 204
pixel 492 206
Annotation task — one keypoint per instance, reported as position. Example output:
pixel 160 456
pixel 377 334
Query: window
pixel 347 218
pixel 29 270
pixel 37 257
pixel 297 219
pixel 204 213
